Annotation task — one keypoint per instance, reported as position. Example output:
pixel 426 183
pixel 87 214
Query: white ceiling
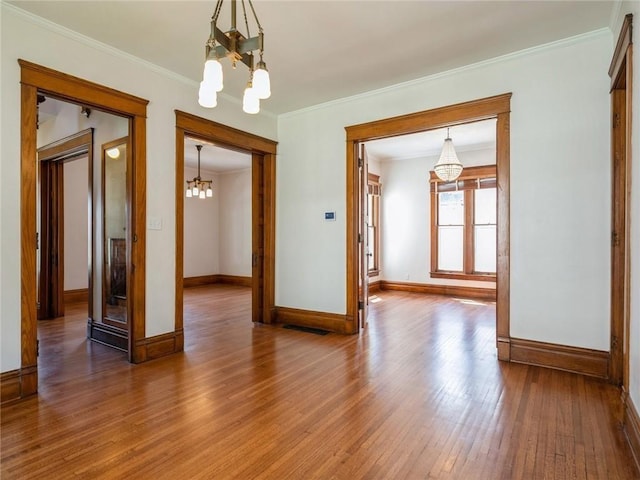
pixel 470 136
pixel 318 51
pixel 214 158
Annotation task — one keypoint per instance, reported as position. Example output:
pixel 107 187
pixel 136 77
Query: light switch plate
pixel 154 223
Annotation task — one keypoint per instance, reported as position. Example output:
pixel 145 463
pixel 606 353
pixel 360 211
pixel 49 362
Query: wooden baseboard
pixel 631 423
pixel 81 295
pixel 374 287
pixel 189 282
pixel 108 335
pixel 18 384
pixel 475 293
pixel 159 346
pixel 235 280
pixel 593 363
pixel 332 322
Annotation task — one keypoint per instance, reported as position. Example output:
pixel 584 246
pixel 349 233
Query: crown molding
pixel 583 37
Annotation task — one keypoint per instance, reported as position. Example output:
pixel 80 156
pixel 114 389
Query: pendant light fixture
pixel 197 187
pixel 238 48
pixel 448 167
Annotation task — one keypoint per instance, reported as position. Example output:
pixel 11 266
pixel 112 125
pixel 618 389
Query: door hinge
pixel 254 260
pixel 37 240
pixel 38 347
pixel 360 305
pixel 360 163
pixel 614 343
pixel 615 240
pixel 359 238
pixel 616 120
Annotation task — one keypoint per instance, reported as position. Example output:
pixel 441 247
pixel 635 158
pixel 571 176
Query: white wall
pixel 634 334
pixel 235 222
pixel 201 231
pixel 23 36
pixel 76 244
pixel 560 195
pixel 406 217
pixel 217 231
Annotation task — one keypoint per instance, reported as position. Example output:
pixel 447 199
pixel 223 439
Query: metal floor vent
pixel 317 331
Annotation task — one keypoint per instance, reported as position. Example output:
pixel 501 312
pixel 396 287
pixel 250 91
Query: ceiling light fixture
pixel 197 187
pixel 238 48
pixel 113 152
pixel 448 167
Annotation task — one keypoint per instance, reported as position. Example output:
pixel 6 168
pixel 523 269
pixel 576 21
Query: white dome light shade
pixel 207 96
pixel 448 167
pixel 189 195
pixel 261 82
pixel 212 75
pixel 250 101
pixel 113 152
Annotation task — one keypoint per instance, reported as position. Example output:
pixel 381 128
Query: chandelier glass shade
pixel 199 188
pixel 448 167
pixel 238 48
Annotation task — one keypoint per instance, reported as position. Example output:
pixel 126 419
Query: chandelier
pixel 448 167
pixel 197 187
pixel 238 48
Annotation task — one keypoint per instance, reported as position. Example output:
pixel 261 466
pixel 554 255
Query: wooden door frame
pixel 54 155
pixel 497 107
pixel 263 153
pixel 620 72
pixel 37 79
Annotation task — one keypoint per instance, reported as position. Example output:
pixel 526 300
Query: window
pixel 464 225
pixel 373 224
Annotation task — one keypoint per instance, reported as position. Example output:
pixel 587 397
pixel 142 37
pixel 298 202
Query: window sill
pixel 465 276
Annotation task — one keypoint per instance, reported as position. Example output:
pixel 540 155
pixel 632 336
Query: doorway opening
pixel 38 81
pixel 497 108
pixel 428 235
pixel 247 192
pixel 217 220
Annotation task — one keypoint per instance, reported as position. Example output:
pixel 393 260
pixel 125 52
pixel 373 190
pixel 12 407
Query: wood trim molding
pixel 160 345
pixel 585 361
pixel 631 424
pixel 74 89
pixel 263 157
pixel 37 79
pixel 10 386
pixel 620 52
pixel 459 113
pixel 476 293
pixel 76 296
pixel 235 280
pixel 17 384
pixel 375 287
pixel 498 107
pixel 332 322
pixel 201 280
pixel 229 135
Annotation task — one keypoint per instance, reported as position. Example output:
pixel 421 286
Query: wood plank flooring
pixel 419 395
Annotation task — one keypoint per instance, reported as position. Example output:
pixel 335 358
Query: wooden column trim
pixel 503 155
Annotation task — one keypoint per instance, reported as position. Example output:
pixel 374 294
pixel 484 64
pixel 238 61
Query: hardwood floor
pixel 420 394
